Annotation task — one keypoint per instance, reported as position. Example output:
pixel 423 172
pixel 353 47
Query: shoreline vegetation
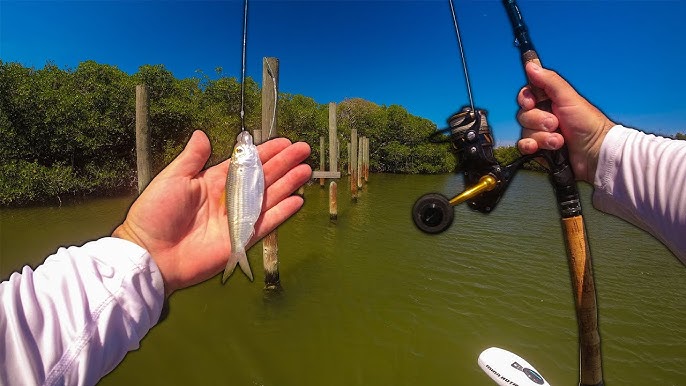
pixel 69 134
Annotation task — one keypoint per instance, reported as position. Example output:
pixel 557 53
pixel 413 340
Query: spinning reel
pixel 487 180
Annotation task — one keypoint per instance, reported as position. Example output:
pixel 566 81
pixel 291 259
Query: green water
pixel 370 300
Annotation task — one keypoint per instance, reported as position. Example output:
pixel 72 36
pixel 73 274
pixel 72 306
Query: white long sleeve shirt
pixel 641 178
pixel 73 319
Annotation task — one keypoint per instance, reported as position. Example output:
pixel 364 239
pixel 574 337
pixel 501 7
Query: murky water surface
pixel 370 300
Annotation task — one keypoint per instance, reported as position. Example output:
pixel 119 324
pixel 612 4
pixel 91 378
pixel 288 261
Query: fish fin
pixel 245 265
pixel 230 266
pixel 237 257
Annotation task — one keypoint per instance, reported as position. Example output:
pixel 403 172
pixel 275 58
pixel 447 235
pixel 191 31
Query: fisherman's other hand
pixel 180 218
pixel 582 126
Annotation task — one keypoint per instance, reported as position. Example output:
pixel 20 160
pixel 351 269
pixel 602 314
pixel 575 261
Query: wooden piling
pixel 366 159
pixel 353 164
pixel 270 86
pixel 322 160
pixel 360 151
pixel 363 174
pixel 257 136
pixel 350 169
pixel 333 200
pixel 333 139
pixel 143 137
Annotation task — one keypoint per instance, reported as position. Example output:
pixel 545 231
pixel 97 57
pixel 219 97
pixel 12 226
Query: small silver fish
pixel 244 193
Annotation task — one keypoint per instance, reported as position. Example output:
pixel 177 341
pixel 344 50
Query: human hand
pixel 582 126
pixel 180 218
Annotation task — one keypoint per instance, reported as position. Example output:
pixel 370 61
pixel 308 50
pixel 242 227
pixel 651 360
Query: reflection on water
pixel 369 300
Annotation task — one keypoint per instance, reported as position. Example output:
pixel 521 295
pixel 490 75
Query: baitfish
pixel 244 193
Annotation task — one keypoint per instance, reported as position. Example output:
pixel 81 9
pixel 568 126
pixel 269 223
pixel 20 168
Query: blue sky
pixel 627 57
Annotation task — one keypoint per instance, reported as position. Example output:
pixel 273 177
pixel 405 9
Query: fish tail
pixel 230 266
pixel 245 265
pixel 237 257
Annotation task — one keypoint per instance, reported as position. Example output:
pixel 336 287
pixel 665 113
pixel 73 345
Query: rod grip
pixel 579 258
pixel 542 99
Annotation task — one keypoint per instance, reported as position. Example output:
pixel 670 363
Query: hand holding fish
pixel 181 217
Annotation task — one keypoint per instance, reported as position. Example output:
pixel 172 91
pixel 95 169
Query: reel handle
pixel 485 184
pixel 433 213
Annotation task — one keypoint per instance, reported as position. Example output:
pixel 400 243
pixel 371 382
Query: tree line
pixel 71 132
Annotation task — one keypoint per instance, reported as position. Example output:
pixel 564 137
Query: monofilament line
pixel 276 98
pixel 245 34
pixel 464 62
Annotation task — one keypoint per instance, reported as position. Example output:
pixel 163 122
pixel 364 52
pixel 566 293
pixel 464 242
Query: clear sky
pixel 627 57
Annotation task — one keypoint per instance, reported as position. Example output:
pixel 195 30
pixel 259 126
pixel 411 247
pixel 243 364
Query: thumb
pixel 193 157
pixel 557 89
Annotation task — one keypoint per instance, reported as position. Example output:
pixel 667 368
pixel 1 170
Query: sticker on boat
pixel 508 369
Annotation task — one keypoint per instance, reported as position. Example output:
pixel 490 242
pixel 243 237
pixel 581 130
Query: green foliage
pixel 71 132
pixel 26 182
pixel 681 136
pixel 173 108
pixel 398 140
pixel 301 118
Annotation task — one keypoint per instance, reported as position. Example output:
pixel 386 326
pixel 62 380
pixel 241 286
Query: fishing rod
pixel 574 230
pixel 472 143
pixel 243 49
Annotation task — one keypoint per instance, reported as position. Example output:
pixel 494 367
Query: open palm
pixel 180 218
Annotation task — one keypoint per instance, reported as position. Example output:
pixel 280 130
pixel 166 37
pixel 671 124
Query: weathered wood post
pixel 353 164
pixel 333 139
pixel 363 175
pixel 142 137
pixel 333 200
pixel 270 87
pixel 332 173
pixel 257 136
pixel 366 159
pixel 333 161
pixel 350 169
pixel 360 150
pixel 322 160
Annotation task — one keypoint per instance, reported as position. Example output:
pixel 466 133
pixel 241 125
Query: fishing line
pixel 245 34
pixel 276 97
pixel 464 62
